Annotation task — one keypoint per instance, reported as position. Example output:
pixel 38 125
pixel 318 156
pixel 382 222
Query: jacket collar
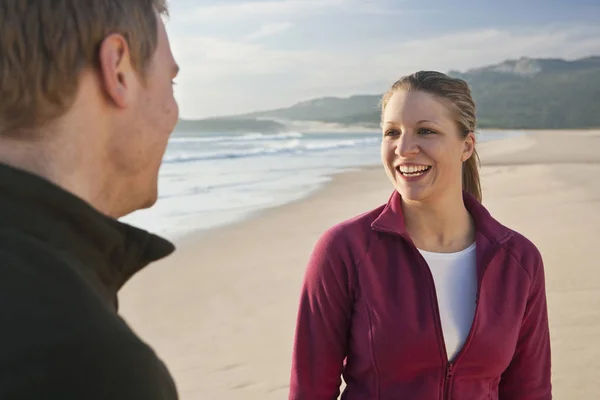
pixel 112 250
pixel 391 219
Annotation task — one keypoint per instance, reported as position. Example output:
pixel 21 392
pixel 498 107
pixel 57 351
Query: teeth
pixel 411 169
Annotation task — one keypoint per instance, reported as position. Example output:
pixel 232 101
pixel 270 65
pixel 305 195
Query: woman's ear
pixel 469 147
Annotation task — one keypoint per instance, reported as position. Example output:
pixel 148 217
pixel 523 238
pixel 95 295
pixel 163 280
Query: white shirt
pixel 455 278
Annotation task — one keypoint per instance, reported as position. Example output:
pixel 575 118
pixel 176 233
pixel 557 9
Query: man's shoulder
pixel 21 250
pixel 32 269
pixel 60 339
pixel 92 366
pixel 45 293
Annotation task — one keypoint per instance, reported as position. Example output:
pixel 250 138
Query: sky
pixel 239 56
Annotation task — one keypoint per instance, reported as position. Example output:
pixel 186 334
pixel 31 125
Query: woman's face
pixel 422 149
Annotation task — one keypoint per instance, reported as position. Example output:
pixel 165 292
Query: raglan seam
pixel 357 263
pixel 510 252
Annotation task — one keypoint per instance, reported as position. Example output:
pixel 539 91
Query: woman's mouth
pixel 413 171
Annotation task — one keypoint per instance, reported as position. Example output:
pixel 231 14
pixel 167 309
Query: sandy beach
pixel 221 311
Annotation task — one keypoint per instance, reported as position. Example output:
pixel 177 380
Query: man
pixel 86 110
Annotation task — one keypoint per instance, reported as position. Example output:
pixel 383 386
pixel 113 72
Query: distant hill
pixel 218 125
pixel 537 93
pixel 326 109
pixel 525 93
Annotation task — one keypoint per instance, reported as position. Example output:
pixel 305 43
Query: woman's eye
pixel 391 132
pixel 425 131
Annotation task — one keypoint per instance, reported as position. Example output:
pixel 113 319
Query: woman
pixel 428 296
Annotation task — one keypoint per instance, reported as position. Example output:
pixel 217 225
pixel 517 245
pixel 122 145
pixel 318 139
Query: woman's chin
pixel 413 193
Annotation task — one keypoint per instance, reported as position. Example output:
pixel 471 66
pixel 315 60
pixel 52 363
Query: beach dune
pixel 221 311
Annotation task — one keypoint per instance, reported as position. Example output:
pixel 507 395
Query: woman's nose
pixel 407 145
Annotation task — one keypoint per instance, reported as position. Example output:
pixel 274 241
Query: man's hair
pixel 45 45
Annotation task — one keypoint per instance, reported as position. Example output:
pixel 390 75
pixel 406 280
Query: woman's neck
pixel 443 226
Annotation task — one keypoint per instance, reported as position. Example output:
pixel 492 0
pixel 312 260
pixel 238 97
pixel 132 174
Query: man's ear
pixel 469 146
pixel 116 69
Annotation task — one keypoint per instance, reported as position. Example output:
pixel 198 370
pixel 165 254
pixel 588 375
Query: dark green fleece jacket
pixel 61 266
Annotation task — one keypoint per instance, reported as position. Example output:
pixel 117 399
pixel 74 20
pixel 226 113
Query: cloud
pixel 264 8
pixel 267 30
pixel 284 9
pixel 225 76
pixel 469 49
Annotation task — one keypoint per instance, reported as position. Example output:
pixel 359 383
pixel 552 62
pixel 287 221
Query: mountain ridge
pixel 523 93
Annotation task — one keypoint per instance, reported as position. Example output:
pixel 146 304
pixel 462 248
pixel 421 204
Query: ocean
pixel 209 180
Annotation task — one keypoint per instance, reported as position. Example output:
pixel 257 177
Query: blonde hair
pixel 458 96
pixel 45 45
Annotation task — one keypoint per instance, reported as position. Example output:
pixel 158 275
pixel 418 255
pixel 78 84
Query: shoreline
pixel 221 311
pixel 191 237
pixel 183 239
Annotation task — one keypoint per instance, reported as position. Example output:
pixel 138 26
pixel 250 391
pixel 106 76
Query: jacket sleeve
pixel 528 377
pixel 323 321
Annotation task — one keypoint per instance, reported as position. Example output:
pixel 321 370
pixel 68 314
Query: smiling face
pixel 422 148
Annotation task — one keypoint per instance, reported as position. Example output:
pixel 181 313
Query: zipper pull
pixel 449 371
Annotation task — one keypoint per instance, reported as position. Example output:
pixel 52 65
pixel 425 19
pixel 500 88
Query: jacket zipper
pixel 448 380
pixel 450 366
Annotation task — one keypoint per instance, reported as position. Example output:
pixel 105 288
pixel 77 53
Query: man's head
pixel 97 73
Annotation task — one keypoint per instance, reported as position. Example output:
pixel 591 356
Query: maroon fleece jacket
pixel 368 311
